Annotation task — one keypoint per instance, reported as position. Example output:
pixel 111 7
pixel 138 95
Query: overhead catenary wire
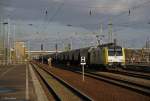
pixel 128 12
pixel 54 15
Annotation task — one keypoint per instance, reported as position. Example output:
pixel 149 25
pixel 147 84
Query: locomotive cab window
pixel 115 52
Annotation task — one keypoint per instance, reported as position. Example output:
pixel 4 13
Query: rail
pixel 73 89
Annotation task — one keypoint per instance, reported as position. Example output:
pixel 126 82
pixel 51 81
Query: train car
pixel 76 56
pixel 85 53
pixel 70 56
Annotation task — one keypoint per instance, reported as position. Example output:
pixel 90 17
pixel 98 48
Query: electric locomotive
pixel 108 56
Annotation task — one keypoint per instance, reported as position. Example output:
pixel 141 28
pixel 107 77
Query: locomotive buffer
pixel 83 62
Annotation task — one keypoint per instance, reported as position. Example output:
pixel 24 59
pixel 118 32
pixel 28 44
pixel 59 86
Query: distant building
pixel 141 55
pixel 18 54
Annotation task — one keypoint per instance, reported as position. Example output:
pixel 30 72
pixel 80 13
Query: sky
pixel 76 21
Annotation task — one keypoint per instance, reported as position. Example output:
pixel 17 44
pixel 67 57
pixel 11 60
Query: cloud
pixel 9 9
pixel 76 13
pixel 58 0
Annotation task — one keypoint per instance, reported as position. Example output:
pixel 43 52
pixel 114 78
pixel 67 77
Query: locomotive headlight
pixel 122 64
pixel 110 60
pixel 110 64
pixel 120 59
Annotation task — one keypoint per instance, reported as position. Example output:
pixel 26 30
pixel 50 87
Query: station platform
pixel 19 83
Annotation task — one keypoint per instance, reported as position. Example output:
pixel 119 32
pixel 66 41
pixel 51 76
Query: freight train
pixel 106 55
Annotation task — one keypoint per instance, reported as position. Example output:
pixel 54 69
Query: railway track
pixel 144 89
pixel 128 83
pixel 61 90
pixel 132 74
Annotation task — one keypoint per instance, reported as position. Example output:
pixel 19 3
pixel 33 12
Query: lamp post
pixel 2 42
pixel 1 39
pixel 5 44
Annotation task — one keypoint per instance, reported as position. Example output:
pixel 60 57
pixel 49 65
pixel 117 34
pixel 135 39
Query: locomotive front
pixel 116 56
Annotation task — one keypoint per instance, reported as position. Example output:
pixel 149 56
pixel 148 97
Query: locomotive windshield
pixel 115 51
